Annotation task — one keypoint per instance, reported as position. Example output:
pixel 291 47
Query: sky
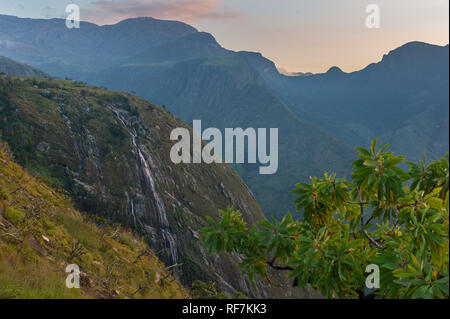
pixel 298 35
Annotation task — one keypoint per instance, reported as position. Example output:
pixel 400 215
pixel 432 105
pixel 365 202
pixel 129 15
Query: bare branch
pixel 373 241
pixel 273 266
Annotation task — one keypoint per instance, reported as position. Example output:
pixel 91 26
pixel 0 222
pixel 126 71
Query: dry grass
pixel 39 229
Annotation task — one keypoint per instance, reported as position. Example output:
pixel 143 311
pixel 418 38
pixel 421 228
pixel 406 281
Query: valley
pixel 99 166
pixel 320 117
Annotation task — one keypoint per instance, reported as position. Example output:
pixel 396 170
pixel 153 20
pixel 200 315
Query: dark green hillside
pixel 110 152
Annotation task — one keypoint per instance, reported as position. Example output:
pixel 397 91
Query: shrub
pixel 384 217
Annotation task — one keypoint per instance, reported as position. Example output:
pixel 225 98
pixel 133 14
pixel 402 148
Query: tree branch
pixel 273 266
pixel 373 241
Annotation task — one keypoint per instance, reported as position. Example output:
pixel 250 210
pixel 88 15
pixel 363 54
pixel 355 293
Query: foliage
pixel 386 216
pixel 206 290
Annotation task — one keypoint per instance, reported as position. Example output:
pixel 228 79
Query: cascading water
pixel 132 213
pixel 161 211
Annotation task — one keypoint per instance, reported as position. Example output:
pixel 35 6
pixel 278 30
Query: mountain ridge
pixel 332 102
pixel 11 67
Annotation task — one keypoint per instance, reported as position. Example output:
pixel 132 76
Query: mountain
pixel 190 73
pixel 10 67
pixel 403 100
pixel 49 45
pixel 195 78
pixel 227 92
pixel 41 233
pixel 109 151
pixel 196 45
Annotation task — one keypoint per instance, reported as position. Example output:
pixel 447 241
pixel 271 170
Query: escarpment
pixel 110 152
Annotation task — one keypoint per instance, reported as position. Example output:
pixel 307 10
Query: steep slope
pixel 110 152
pixel 403 100
pixel 196 45
pixel 227 92
pixel 10 67
pixel 41 234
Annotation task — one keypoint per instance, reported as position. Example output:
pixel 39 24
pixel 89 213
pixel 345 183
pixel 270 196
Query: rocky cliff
pixel 110 152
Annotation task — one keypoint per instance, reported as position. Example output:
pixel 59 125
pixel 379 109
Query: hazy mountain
pixel 10 67
pixel 190 73
pixel 196 45
pixel 49 45
pixel 403 100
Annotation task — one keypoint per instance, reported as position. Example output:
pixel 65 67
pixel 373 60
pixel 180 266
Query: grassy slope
pixel 38 227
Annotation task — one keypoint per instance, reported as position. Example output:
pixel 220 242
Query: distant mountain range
pixel 403 99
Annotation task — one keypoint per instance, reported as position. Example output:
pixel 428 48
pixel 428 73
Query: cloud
pixel 289 73
pixel 112 11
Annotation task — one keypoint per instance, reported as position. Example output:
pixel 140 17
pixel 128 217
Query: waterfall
pixel 159 203
pixel 169 241
pixel 132 213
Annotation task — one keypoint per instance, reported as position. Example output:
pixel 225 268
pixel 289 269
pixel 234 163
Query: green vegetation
pixel 67 134
pixel 385 216
pixel 41 233
pixel 206 290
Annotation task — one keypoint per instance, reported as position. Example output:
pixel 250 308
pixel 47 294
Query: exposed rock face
pixel 110 151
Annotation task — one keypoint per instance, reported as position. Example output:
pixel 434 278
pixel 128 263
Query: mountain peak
pixel 415 45
pixel 139 21
pixel 414 48
pixel 335 70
